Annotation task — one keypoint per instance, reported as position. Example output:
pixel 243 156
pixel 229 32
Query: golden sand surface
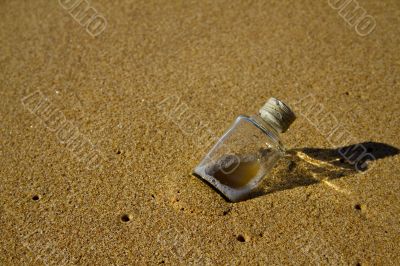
pixel 99 134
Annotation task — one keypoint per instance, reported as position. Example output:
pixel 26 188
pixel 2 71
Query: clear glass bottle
pixel 247 151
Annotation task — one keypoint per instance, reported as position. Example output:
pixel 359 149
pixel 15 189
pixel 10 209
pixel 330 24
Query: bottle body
pixel 242 157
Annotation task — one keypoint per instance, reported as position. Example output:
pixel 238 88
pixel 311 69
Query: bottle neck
pixel 262 123
pixel 268 129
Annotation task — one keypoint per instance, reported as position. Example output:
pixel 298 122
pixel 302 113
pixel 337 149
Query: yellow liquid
pixel 240 176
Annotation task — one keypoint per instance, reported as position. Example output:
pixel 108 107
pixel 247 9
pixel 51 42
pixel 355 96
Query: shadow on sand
pixel 307 166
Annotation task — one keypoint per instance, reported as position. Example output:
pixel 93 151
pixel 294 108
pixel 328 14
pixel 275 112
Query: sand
pixel 99 135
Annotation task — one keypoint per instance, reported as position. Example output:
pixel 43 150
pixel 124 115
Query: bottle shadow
pixel 308 166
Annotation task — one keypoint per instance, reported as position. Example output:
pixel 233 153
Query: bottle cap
pixel 277 114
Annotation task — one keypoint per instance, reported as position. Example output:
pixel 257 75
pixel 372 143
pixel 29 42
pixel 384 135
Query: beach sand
pixel 99 135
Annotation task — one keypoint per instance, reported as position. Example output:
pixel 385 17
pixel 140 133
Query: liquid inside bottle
pixel 238 174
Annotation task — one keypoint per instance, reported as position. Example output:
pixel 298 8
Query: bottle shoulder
pixel 268 130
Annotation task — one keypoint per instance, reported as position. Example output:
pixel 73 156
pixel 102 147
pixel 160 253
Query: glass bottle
pixel 248 150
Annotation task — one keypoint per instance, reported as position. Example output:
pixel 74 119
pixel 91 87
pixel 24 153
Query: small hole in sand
pixel 261 234
pixel 118 152
pixel 240 238
pixel 226 212
pixel 291 166
pixel 357 207
pixel 125 218
pixel 358 264
pixel 162 262
pixel 35 197
pixel 182 209
pixel 347 93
